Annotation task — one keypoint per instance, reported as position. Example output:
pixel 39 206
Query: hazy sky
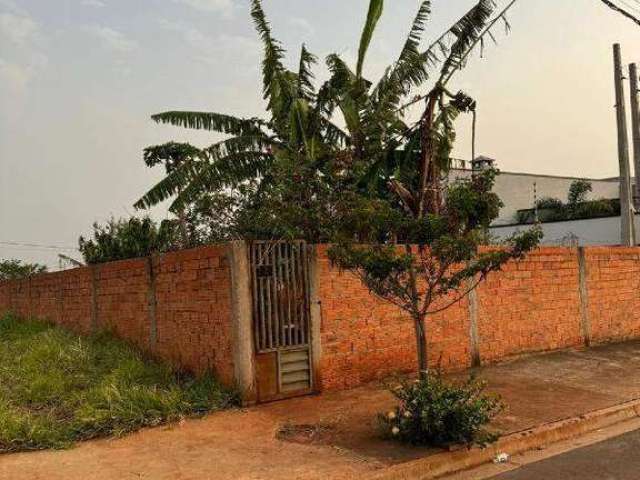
pixel 80 78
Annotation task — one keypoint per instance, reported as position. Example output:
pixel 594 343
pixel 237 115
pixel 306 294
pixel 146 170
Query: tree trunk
pixel 421 344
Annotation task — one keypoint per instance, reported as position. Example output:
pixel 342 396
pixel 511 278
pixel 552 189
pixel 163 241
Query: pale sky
pixel 80 78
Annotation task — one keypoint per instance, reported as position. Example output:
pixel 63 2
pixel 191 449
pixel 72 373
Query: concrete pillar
pixel 585 321
pixel 94 270
pixel 30 302
pixel 152 302
pixel 474 337
pixel 315 318
pixel 60 300
pixel 241 318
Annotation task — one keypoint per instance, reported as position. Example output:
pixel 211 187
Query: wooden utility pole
pixel 635 127
pixel 627 231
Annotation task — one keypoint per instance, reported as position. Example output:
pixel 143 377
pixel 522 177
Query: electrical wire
pixel 35 245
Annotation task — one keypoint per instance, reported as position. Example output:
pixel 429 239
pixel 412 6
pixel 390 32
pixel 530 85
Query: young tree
pixel 13 269
pixel 422 250
pixel 578 191
pixel 425 264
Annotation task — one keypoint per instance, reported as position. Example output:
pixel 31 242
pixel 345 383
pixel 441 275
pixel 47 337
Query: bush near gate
pixel 437 413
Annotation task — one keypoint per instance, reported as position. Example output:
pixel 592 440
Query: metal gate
pixel 281 318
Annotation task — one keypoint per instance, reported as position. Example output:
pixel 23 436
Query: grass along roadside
pixel 57 388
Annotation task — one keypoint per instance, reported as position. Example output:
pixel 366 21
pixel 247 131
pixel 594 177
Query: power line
pixel 36 245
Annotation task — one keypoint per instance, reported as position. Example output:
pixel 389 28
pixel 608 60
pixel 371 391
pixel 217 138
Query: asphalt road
pixel 615 459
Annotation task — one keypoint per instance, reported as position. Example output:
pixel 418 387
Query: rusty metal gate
pixel 281 318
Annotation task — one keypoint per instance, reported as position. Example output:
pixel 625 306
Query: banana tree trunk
pixel 429 174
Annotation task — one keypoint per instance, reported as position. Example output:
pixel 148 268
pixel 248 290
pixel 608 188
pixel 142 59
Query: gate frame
pixel 242 322
pixel 244 349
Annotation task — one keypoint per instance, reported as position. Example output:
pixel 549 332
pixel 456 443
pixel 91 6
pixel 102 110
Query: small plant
pixel 436 413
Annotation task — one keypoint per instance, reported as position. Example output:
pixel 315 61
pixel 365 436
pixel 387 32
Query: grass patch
pixel 57 388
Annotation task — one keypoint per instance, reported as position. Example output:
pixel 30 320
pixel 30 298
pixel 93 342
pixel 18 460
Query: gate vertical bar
pixel 276 294
pixel 307 298
pixel 299 292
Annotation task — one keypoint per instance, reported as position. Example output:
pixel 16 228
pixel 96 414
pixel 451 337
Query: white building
pixel 518 191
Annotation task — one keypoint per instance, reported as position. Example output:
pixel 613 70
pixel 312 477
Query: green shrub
pixel 127 238
pixel 436 413
pixel 549 203
pixel 57 388
pixel 595 209
pixel 17 269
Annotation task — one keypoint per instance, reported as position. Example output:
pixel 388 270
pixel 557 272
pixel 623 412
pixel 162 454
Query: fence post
pixel 474 337
pixel 60 299
pixel 585 321
pixel 94 270
pixel 241 320
pixel 30 301
pixel 152 302
pixel 315 316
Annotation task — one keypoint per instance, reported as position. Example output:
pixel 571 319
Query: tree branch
pixel 467 292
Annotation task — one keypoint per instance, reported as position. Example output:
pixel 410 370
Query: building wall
pixel 532 305
pixel 190 325
pixel 516 190
pixel 589 232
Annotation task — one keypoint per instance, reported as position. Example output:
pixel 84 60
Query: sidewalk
pixel 334 435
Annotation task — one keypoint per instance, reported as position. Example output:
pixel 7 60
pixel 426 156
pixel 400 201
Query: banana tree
pixel 297 126
pixel 387 152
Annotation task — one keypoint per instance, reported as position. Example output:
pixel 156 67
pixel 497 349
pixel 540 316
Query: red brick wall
pixel 193 291
pixel 122 290
pixel 193 305
pixel 532 305
pixel 613 281
pixel 364 338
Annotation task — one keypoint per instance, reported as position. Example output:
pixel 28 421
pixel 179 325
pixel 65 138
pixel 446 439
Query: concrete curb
pixel 450 462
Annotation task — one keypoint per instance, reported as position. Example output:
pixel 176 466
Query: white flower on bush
pixel 395 430
pixel 407 414
pixel 391 415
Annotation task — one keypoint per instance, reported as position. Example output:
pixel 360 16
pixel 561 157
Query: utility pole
pixel 627 231
pixel 635 128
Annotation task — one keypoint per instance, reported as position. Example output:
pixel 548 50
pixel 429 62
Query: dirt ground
pixel 333 435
